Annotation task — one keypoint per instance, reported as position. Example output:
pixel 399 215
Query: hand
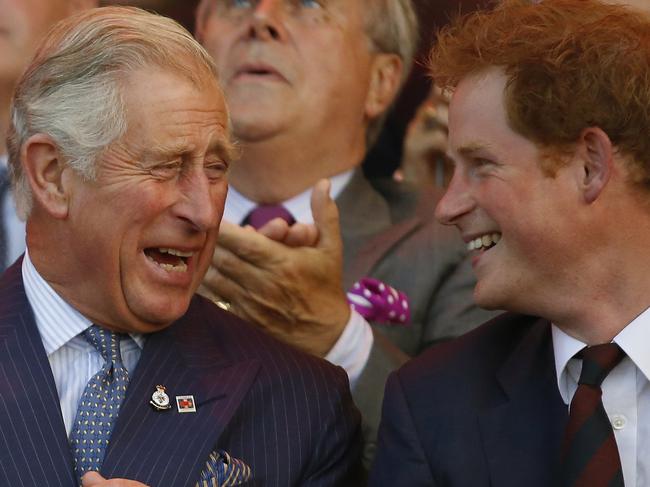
pixel 286 280
pixel 94 479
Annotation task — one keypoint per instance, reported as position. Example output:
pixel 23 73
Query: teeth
pixel 176 252
pixel 181 267
pixel 484 241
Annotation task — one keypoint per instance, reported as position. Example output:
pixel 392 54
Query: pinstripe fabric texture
pixel 286 415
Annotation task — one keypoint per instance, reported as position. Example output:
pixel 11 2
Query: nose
pixel 201 203
pixel 456 202
pixel 267 21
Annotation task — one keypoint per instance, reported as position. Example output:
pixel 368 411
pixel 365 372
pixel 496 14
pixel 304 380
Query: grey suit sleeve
pixel 452 311
pixel 369 391
pixel 400 458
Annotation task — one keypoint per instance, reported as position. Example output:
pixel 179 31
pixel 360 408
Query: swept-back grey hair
pixel 72 89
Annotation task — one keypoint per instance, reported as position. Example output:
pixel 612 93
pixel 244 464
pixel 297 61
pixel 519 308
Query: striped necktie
pixel 100 402
pixel 589 453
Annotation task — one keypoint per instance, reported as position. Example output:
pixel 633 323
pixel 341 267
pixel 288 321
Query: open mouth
pixel 484 242
pixel 171 260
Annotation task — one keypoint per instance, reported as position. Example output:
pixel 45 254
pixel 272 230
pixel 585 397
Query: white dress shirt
pixel 72 358
pixel 14 226
pixel 352 349
pixel 626 393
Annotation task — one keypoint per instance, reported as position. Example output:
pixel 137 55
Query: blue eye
pixel 311 3
pixel 242 3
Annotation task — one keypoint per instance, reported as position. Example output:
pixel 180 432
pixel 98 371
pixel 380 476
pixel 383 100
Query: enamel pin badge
pixel 160 399
pixel 185 404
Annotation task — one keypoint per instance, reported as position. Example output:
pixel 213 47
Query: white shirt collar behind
pixel 57 321
pixel 238 206
pixel 633 339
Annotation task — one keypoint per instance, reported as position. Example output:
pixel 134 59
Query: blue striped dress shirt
pixel 72 358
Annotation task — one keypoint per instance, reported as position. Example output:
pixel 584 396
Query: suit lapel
pixel 367 228
pixel 34 447
pixel 522 435
pixel 168 447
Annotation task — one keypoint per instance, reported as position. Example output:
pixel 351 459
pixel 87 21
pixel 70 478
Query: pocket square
pixel 222 470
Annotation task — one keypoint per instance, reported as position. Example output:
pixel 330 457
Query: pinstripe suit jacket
pixel 287 415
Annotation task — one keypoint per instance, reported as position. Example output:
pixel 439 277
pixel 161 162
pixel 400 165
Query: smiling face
pixel 516 220
pixel 300 65
pixel 141 235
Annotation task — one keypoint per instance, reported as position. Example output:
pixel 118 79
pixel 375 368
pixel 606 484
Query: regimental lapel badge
pixel 185 404
pixel 159 399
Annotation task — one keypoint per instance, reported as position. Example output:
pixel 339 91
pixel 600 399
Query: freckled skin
pixel 162 185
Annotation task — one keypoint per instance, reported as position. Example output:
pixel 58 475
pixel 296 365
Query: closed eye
pixel 167 170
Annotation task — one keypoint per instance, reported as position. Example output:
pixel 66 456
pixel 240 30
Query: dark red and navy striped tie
pixel 589 455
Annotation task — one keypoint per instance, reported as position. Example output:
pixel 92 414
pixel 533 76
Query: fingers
pixel 277 229
pixel 326 216
pixel 301 235
pixel 94 479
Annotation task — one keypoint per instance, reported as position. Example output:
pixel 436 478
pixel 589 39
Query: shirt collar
pixel 56 320
pixel 238 206
pixel 633 340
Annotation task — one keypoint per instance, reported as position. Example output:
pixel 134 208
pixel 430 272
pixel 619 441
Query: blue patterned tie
pixel 100 402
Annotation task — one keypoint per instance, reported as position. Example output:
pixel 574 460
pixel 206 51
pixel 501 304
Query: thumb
pixel 326 215
pixel 91 478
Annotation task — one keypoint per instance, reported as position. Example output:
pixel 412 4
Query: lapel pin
pixel 159 399
pixel 185 404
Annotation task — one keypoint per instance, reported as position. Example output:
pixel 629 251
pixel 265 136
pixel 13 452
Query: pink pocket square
pixel 378 302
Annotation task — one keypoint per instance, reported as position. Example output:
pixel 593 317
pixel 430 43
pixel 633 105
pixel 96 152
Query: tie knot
pixel 263 214
pixel 106 342
pixel 598 361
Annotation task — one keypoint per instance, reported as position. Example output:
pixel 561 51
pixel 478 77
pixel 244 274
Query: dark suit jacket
pixel 390 233
pixel 482 410
pixel 287 415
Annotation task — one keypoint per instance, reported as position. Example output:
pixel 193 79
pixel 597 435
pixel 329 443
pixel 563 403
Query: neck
pixel 596 304
pixel 278 168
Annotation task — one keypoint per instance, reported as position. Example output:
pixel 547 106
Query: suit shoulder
pixel 476 355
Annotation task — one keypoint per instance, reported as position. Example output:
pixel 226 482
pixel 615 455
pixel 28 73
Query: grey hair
pixel 72 90
pixel 392 27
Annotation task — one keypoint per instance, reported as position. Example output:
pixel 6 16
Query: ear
pixel 385 77
pixel 44 169
pixel 200 18
pixel 597 162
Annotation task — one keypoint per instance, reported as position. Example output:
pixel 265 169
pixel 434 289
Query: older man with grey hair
pixel 111 366
pixel 308 84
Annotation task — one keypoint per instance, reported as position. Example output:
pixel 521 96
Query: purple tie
pixel 263 214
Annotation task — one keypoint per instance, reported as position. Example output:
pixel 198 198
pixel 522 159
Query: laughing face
pixel 515 219
pixel 142 234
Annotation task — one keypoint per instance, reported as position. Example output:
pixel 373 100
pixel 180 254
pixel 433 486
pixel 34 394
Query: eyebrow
pixel 222 146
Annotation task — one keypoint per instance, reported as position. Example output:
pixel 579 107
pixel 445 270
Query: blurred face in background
pixel 23 23
pixel 297 65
